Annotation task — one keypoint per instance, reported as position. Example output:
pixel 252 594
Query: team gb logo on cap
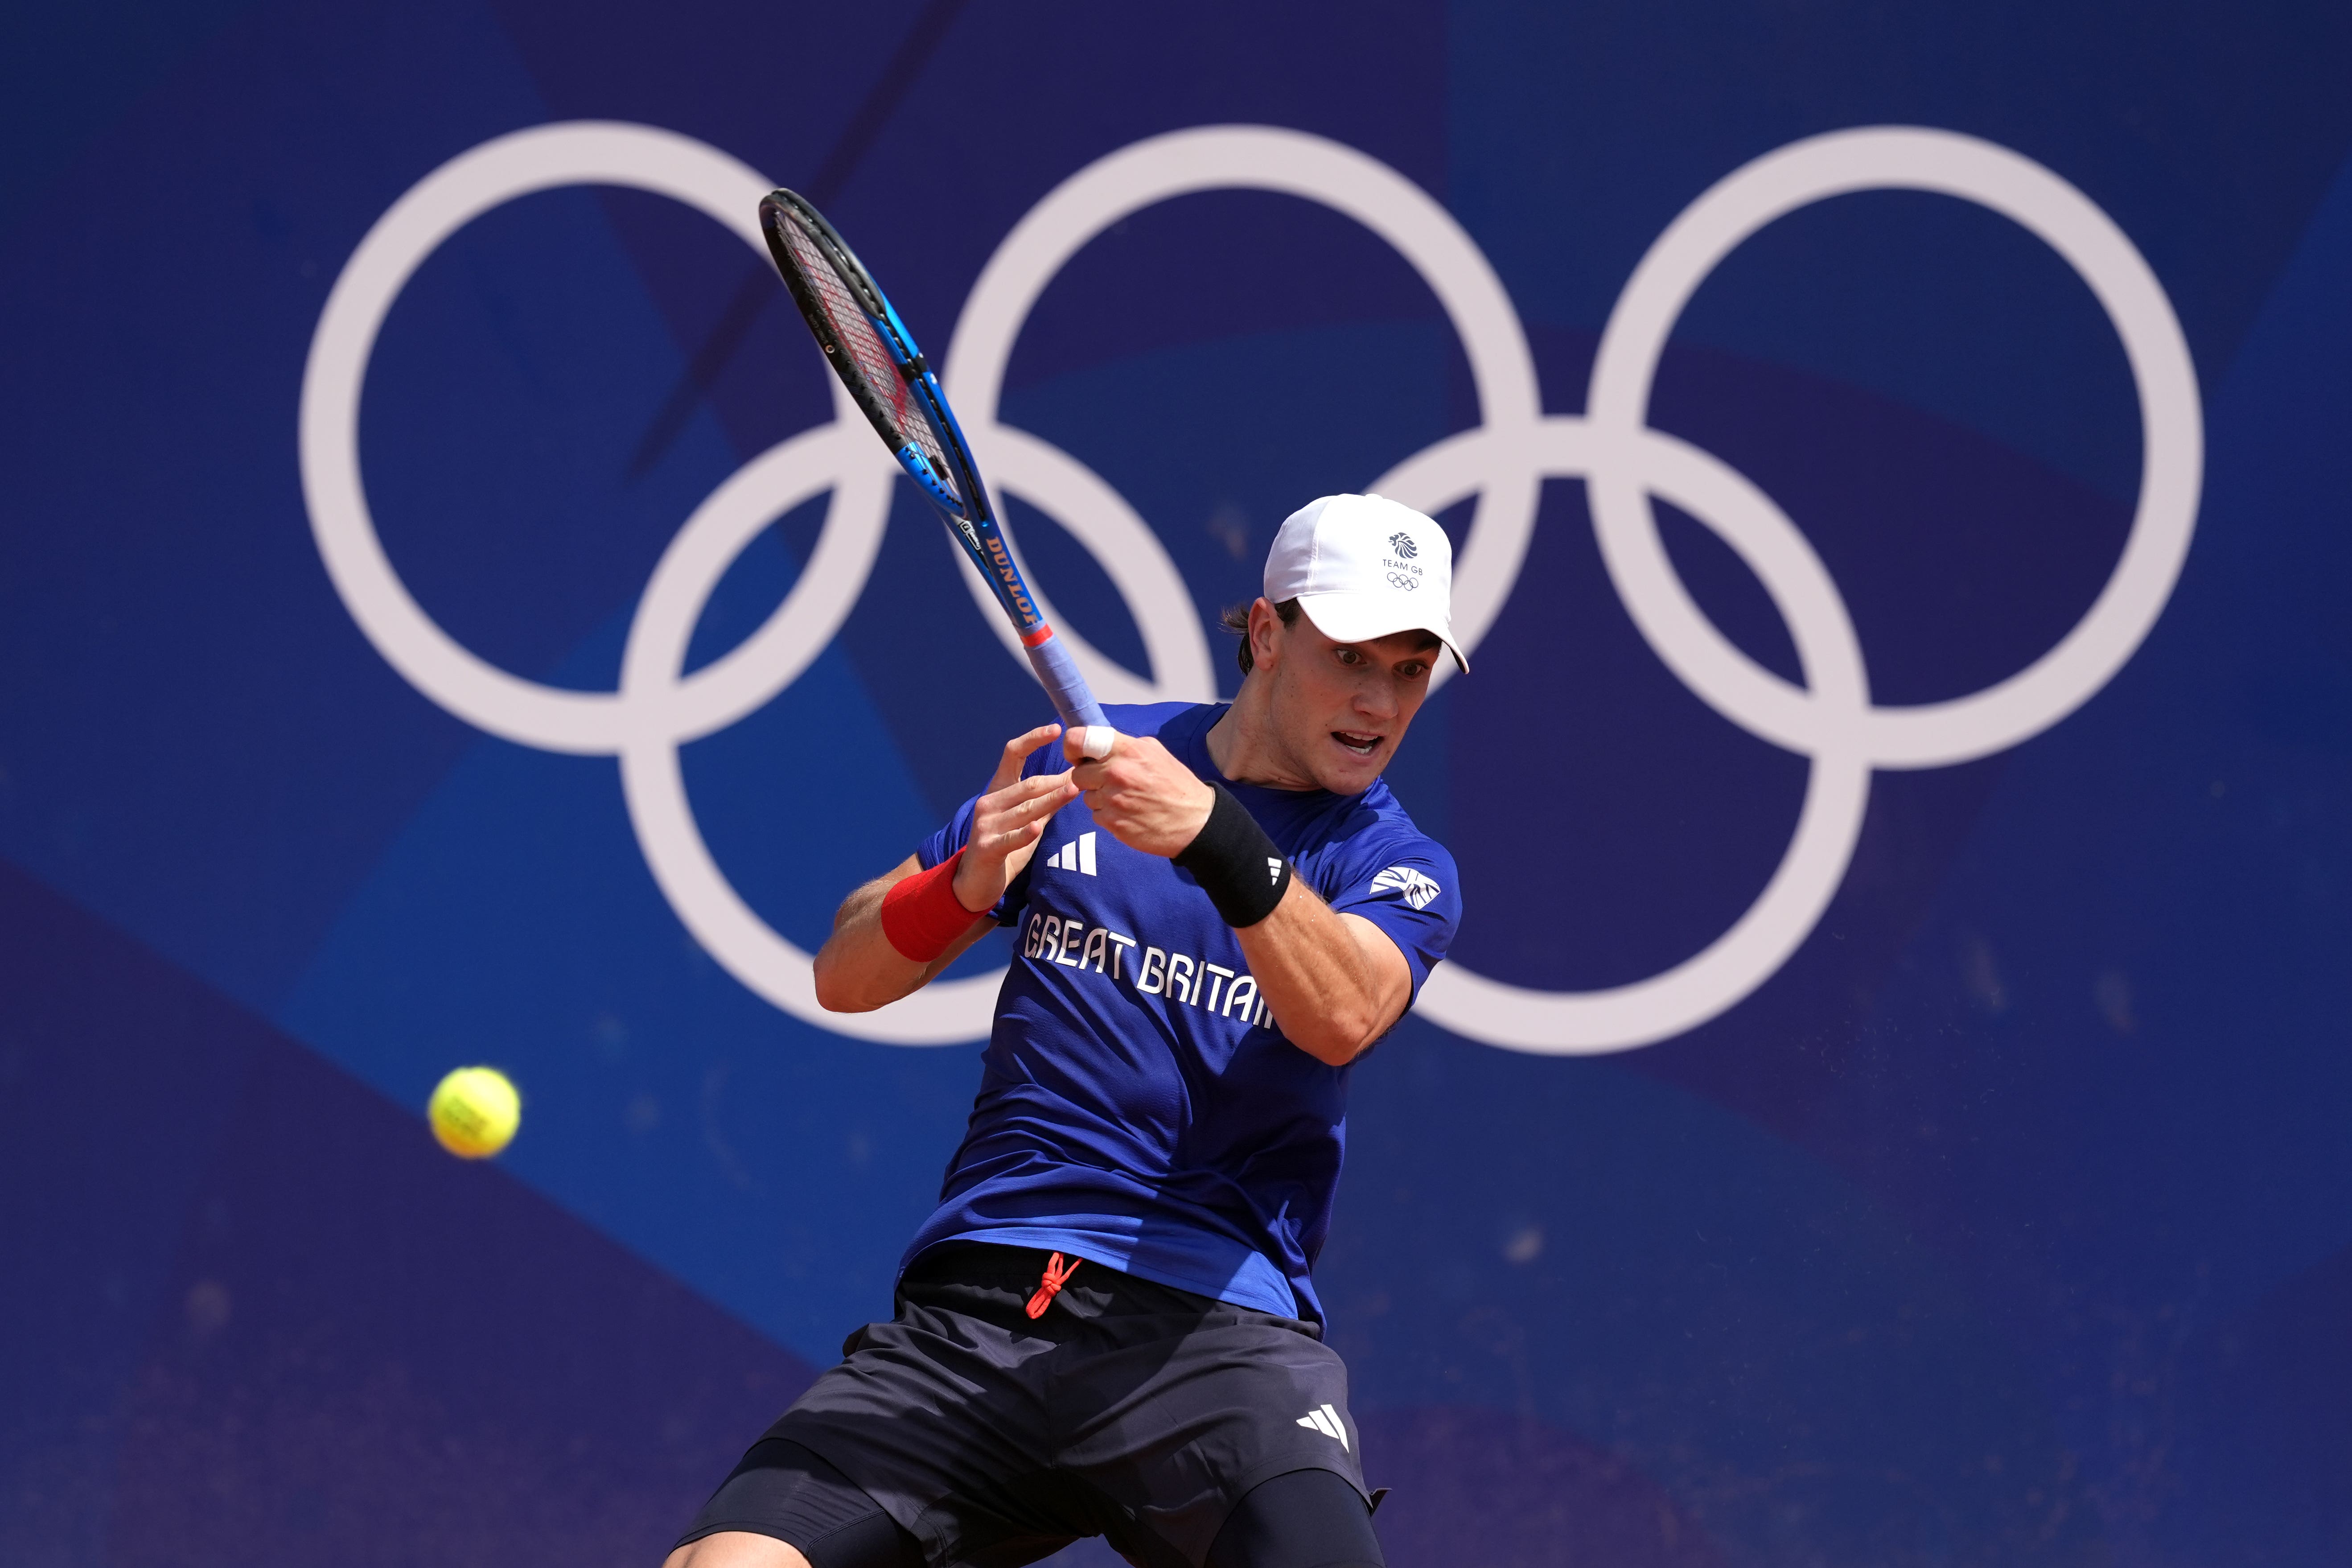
pixel 1401 572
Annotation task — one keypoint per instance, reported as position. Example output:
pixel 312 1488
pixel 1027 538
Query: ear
pixel 1265 635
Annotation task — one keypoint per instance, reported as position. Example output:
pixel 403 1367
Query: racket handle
pixel 1058 674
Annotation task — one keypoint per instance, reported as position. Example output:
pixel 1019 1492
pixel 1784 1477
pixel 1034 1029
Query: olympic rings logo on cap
pixel 1502 463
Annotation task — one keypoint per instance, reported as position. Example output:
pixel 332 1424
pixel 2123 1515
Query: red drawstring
pixel 1056 1276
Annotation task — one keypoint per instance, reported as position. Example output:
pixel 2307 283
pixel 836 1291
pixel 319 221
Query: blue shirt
pixel 1138 1104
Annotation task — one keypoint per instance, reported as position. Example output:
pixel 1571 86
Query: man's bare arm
pixel 857 969
pixel 1334 982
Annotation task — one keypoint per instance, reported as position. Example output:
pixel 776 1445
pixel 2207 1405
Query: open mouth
pixel 1356 741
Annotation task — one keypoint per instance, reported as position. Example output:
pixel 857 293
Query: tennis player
pixel 1109 1327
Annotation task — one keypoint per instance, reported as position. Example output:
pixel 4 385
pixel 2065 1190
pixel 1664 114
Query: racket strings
pixel 870 361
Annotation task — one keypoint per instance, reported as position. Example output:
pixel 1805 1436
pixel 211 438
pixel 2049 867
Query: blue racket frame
pixel 961 497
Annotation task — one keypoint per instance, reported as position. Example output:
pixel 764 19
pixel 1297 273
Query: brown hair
pixel 1236 619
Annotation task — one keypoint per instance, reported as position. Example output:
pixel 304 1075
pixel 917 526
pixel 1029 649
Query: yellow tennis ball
pixel 475 1112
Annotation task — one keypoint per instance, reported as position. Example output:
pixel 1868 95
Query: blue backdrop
pixel 1994 1204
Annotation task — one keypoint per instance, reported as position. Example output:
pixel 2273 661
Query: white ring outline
pixel 1287 162
pixel 1879 158
pixel 542 158
pixel 1829 820
pixel 1502 462
pixel 846 455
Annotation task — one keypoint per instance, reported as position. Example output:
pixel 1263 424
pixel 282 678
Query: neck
pixel 1246 746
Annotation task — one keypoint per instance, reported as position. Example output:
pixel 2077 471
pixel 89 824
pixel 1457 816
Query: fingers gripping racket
pixel 869 348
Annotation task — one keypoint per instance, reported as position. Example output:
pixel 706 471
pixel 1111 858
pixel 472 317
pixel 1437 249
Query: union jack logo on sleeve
pixel 1415 889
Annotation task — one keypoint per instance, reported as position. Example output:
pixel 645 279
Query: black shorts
pixel 1129 1410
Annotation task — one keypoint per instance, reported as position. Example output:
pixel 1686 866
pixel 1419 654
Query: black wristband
pixel 1235 863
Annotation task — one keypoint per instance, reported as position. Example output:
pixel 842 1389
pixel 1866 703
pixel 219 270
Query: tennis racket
pixel 876 360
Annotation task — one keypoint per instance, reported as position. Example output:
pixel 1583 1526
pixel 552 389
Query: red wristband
pixel 920 914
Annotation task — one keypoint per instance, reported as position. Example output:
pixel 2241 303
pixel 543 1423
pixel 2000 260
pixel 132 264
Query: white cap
pixel 1363 567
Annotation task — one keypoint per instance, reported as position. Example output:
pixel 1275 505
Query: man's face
pixel 1339 710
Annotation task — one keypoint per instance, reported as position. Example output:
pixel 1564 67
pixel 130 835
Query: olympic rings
pixel 1829 719
pixel 655 710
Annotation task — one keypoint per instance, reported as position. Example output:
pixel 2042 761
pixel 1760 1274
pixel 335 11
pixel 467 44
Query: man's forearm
pixel 857 970
pixel 1335 983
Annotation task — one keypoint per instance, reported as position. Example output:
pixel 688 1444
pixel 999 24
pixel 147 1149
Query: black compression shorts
pixel 1128 1409
pixel 783 1489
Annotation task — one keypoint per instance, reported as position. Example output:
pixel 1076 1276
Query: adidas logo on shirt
pixel 1325 1421
pixel 1078 855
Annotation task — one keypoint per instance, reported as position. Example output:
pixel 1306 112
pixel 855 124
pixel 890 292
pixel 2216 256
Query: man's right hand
pixel 1008 820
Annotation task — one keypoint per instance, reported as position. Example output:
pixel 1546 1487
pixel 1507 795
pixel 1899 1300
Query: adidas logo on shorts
pixel 1325 1421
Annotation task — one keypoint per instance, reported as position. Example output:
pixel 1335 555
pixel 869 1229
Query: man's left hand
pixel 1140 793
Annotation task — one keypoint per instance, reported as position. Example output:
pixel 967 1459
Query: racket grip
pixel 1058 674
